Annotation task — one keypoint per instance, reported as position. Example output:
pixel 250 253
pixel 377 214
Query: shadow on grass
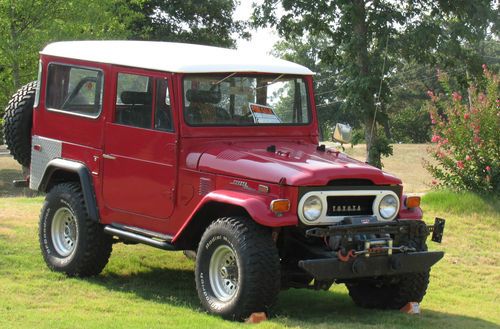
pixel 172 286
pixel 295 307
pixel 324 308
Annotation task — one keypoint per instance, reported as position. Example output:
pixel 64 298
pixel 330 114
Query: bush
pixel 467 137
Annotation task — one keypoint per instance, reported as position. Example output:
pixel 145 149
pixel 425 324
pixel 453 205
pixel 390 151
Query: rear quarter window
pixel 75 90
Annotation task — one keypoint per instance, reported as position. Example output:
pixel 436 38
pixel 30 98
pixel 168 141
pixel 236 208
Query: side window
pixel 74 90
pixel 163 110
pixel 134 100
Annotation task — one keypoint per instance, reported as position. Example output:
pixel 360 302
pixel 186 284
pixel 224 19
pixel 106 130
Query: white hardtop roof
pixel 172 57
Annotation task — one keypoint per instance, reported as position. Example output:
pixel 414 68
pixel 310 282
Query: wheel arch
pixel 224 203
pixel 190 234
pixel 61 170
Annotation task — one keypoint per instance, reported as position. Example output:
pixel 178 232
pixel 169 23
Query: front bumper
pixel 361 263
pixel 364 267
pixel 412 228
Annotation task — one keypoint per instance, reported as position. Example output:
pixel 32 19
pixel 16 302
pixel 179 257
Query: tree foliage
pixel 26 26
pixel 363 41
pixel 195 21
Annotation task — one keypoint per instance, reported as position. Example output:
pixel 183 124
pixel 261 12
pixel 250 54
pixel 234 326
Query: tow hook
pixel 345 258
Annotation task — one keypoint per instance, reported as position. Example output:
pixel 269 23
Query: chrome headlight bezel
pixel 315 208
pixel 323 195
pixel 388 207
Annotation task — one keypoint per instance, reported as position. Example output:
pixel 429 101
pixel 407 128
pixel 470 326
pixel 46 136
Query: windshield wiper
pixel 259 87
pixel 270 83
pixel 230 75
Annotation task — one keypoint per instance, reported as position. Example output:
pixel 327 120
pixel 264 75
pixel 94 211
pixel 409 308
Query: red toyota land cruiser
pixel 213 151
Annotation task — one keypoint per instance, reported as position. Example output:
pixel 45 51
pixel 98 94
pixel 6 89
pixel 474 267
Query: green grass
pixel 147 288
pixel 464 203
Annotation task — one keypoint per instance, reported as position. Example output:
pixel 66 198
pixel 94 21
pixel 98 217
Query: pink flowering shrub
pixel 466 138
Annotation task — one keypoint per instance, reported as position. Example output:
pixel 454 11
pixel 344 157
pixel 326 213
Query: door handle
pixel 109 157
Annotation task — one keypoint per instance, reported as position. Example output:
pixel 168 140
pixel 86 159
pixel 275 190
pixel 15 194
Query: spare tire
pixel 18 120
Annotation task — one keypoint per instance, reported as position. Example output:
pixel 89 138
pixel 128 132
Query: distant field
pixel 144 287
pixel 406 163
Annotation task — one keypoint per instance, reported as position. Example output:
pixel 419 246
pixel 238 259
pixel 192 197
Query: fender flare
pixel 85 180
pixel 256 205
pixel 409 214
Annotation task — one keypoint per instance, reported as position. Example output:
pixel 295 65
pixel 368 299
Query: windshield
pixel 238 100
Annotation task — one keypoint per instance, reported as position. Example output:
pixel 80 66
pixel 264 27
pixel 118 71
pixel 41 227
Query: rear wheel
pixel 70 241
pixel 237 268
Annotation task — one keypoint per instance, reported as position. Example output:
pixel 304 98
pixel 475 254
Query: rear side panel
pixel 58 134
pixel 43 150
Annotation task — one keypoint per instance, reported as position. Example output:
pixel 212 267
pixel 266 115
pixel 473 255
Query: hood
pixel 298 164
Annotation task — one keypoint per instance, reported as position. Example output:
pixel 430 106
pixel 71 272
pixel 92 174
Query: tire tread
pixel 18 122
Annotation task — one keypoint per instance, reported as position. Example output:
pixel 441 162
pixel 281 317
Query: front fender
pixel 409 213
pixel 256 205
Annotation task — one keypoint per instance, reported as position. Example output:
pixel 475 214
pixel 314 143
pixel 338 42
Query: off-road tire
pixel 258 267
pixel 391 292
pixel 18 120
pixel 92 246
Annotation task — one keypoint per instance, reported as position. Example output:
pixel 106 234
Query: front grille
pixel 350 182
pixel 350 205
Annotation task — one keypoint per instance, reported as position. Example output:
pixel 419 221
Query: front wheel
pixel 237 268
pixel 70 241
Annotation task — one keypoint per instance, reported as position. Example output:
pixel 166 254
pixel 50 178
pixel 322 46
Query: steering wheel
pixel 222 114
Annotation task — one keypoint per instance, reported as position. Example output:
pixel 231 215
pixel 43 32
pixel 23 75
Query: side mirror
pixel 342 133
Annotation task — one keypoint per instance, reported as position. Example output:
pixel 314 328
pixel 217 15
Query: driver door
pixel 140 149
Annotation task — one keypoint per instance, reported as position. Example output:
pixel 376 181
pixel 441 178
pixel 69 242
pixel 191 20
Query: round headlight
pixel 312 208
pixel 388 206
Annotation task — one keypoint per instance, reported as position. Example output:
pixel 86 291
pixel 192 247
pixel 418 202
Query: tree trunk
pixel 372 153
pixel 387 127
pixel 360 42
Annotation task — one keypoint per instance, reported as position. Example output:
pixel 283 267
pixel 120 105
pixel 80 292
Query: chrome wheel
pixel 223 273
pixel 64 232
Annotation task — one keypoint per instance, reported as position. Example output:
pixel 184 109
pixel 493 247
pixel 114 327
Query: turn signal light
pixel 412 202
pixel 280 205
